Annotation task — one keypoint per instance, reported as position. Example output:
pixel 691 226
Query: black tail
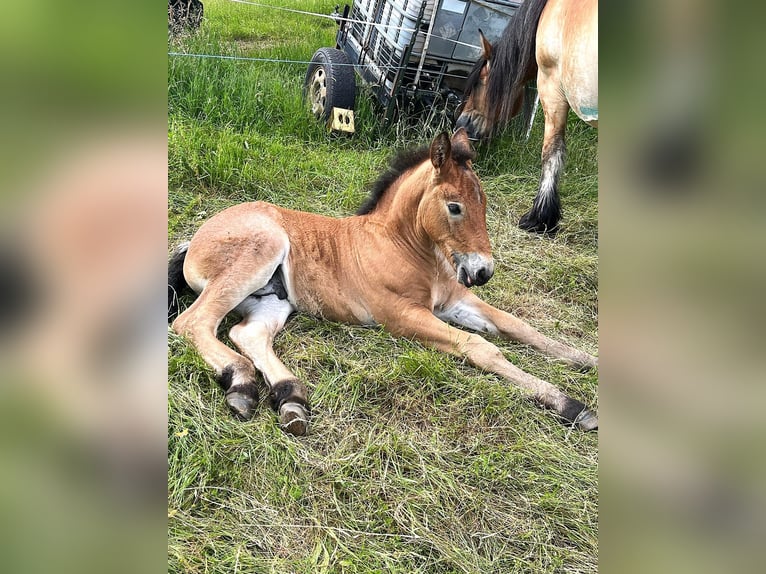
pixel 513 60
pixel 21 290
pixel 176 281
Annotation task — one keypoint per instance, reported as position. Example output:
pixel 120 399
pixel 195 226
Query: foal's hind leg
pixel 235 373
pixel 263 318
pixel 545 213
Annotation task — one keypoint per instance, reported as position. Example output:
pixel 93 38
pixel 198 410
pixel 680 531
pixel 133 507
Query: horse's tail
pixel 176 281
pixel 513 59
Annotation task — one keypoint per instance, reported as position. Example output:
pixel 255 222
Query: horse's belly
pixel 317 291
pixel 579 60
pixel 580 84
pixel 587 112
pixel 330 306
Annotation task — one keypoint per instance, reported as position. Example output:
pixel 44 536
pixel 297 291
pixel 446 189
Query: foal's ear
pixel 486 47
pixel 441 148
pixel 462 150
pixel 461 140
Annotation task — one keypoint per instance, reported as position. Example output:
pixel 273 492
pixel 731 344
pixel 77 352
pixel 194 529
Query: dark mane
pixel 399 164
pixel 513 62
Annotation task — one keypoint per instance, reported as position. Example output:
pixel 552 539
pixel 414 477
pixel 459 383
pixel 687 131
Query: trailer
pixel 414 54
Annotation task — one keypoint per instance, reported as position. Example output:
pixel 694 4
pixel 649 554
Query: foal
pixel 405 262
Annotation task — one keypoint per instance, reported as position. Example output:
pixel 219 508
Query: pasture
pixel 415 462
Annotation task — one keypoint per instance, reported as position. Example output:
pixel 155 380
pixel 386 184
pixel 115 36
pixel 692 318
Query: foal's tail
pixel 513 59
pixel 176 281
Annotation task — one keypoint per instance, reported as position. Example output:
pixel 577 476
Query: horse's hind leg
pixel 235 373
pixel 545 213
pixel 263 318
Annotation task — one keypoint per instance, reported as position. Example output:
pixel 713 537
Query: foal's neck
pixel 398 210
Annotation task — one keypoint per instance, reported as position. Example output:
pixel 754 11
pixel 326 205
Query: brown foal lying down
pixel 405 262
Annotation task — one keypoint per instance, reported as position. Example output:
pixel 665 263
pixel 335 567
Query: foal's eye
pixel 454 208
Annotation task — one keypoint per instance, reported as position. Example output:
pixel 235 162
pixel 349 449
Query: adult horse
pixel 405 262
pixel 557 40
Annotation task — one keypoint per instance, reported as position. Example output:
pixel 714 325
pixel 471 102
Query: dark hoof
pixel 294 419
pixel 583 366
pixel 242 402
pixel 532 223
pixel 587 420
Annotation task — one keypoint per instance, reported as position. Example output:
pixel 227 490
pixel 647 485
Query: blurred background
pixel 83 199
pixel 83 192
pixel 682 277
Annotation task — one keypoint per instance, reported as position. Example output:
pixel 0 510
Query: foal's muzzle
pixel 473 268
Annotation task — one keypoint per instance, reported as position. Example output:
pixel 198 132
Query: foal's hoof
pixel 242 402
pixel 590 364
pixel 587 420
pixel 294 419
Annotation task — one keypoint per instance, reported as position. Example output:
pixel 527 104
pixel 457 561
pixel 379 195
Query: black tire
pixel 330 83
pixel 184 14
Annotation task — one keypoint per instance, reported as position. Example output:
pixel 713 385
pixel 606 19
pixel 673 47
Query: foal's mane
pixel 513 61
pixel 400 164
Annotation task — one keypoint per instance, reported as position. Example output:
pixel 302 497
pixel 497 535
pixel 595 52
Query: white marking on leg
pixel 269 310
pixel 550 178
pixel 466 315
pixel 263 318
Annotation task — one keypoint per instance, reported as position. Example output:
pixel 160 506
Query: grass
pixel 416 462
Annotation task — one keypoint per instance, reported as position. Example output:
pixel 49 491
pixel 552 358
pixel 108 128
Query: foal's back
pixel 249 242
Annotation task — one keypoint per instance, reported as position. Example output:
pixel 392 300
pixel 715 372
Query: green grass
pixel 416 462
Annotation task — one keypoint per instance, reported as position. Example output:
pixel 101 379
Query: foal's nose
pixel 474 269
pixel 484 274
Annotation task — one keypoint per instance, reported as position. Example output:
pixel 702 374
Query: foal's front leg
pixel 419 322
pixel 471 312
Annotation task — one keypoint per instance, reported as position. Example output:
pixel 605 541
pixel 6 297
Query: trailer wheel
pixel 184 14
pixel 330 83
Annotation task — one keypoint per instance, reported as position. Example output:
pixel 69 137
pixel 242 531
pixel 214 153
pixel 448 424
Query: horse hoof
pixel 529 222
pixel 241 404
pixel 587 420
pixel 294 419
